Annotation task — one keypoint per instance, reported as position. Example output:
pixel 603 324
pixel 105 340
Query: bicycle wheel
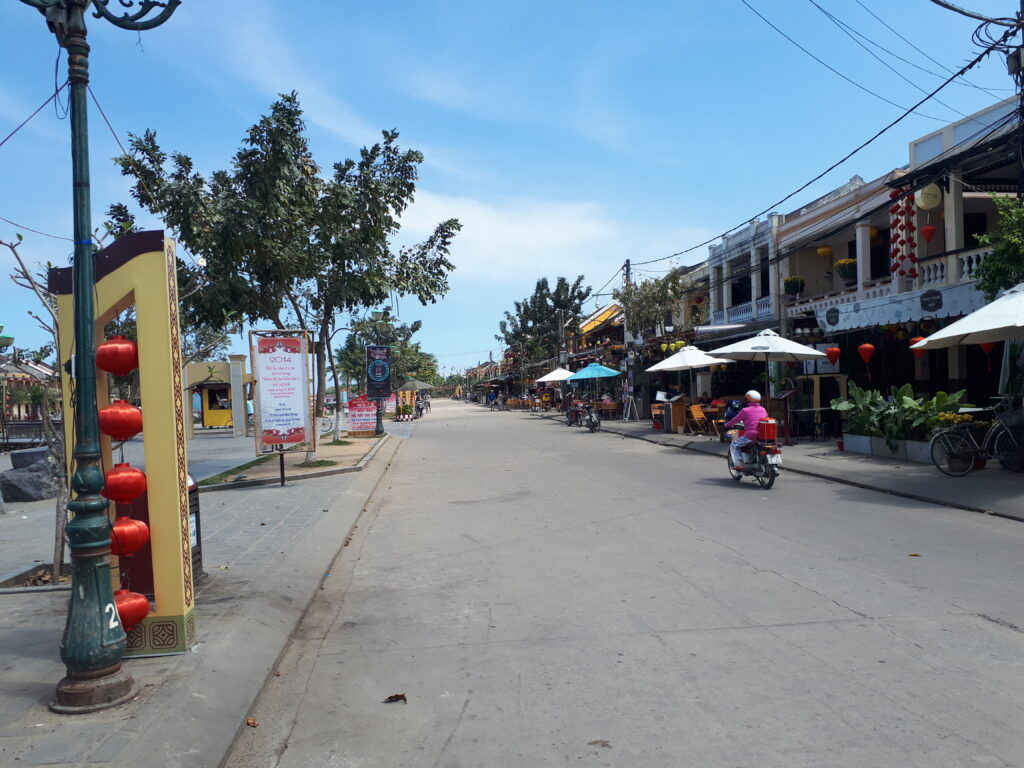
pixel 1009 448
pixel 953 453
pixel 767 480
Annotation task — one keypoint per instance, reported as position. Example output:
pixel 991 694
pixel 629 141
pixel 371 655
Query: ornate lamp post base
pixel 93 691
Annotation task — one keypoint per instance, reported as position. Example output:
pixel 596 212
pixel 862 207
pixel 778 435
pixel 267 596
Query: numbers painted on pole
pixel 114 622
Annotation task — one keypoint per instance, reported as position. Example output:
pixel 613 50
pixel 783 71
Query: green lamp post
pixel 93 641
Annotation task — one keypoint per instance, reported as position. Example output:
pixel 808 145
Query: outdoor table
pixel 817 424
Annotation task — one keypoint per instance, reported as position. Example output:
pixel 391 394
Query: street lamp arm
pixel 132 20
pixel 42 5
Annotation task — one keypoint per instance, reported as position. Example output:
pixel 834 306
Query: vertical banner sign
pixel 280 366
pixel 378 372
pixel 362 415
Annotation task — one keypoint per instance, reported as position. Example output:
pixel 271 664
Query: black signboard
pixel 378 372
pixel 931 301
pixel 832 316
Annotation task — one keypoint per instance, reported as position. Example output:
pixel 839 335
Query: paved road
pixel 544 596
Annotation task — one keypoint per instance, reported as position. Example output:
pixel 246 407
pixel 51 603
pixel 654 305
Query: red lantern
pixel 128 536
pixel 121 420
pixel 928 232
pixel 894 193
pixel 832 353
pixel 866 352
pixel 917 352
pixel 987 348
pixel 699 300
pixel 117 355
pixel 131 607
pixel 124 483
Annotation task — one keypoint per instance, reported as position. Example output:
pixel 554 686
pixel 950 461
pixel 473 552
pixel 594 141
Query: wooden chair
pixel 700 421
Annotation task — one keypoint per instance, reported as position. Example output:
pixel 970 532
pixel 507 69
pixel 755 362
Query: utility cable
pixel 38 110
pixel 848 32
pixel 35 231
pixel 835 71
pixel 966 82
pixel 968 66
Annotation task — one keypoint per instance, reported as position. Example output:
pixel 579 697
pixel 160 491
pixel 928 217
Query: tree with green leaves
pixel 647 303
pixel 275 242
pixel 534 322
pixel 1004 267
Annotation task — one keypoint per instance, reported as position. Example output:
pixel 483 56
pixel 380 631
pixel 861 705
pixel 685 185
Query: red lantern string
pixel 131 608
pixel 128 536
pixel 117 355
pixel 866 352
pixel 832 353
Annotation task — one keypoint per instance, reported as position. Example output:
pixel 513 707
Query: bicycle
pixel 955 451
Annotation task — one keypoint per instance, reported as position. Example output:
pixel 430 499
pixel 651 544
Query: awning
pixel 948 301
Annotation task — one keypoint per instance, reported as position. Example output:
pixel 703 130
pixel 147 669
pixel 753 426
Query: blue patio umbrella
pixel 594 371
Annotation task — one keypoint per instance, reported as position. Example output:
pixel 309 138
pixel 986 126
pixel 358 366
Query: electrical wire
pixel 835 71
pixel 38 110
pixel 962 81
pixel 849 33
pixel 35 231
pixel 967 67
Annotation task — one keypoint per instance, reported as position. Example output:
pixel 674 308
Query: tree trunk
pixel 319 346
pixel 55 442
pixel 337 397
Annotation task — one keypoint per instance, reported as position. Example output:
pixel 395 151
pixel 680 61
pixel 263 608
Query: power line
pixel 846 30
pixel 35 231
pixel 835 71
pixel 966 82
pixel 967 67
pixel 38 110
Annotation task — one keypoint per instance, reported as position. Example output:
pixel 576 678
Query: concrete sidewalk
pixel 991 491
pixel 266 552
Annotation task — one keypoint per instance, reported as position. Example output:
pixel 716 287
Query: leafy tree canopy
pixel 408 360
pixel 647 303
pixel 1004 267
pixel 534 321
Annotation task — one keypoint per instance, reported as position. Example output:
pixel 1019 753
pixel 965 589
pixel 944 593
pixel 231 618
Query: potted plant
pixel 847 269
pixel 793 285
pixel 861 411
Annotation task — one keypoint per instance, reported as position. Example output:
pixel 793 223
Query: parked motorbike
pixel 762 458
pixel 590 418
pixel 574 414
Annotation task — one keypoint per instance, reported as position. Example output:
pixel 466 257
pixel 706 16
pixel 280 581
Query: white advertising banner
pixel 280 366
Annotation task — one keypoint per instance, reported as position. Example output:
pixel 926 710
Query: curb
pixel 689 446
pixel 359 466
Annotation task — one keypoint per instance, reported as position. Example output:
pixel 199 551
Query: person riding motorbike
pixel 749 417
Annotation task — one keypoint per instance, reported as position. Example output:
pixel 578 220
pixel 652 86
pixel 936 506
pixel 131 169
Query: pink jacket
pixel 749 416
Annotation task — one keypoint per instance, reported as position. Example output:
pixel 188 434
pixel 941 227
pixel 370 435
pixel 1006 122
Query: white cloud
pixel 531 238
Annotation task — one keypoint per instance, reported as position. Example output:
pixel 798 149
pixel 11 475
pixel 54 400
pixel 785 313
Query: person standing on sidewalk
pixel 749 417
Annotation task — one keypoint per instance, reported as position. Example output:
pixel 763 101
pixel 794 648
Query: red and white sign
pixel 280 368
pixel 362 414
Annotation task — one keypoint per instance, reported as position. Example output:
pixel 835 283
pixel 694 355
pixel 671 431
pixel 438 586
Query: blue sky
pixel 566 136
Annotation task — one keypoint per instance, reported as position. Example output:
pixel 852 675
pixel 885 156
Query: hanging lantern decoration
pixel 699 300
pixel 987 348
pixel 128 536
pixel 117 355
pixel 918 353
pixel 124 483
pixel 832 353
pixel 121 420
pixel 872 232
pixel 664 346
pixel 866 352
pixel 825 251
pixel 131 607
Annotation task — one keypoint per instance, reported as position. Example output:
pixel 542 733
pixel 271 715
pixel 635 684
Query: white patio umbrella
pixel 687 359
pixel 559 374
pixel 768 346
pixel 1000 320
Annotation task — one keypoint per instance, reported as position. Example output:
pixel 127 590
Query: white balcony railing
pixel 764 307
pixel 798 307
pixel 741 313
pixel 718 317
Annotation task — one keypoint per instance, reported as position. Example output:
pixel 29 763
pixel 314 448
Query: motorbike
pixel 762 458
pixel 574 414
pixel 590 418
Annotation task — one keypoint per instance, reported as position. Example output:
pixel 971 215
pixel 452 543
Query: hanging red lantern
pixel 124 483
pixel 987 348
pixel 894 193
pixel 131 607
pixel 928 232
pixel 917 352
pixel 699 300
pixel 832 353
pixel 117 355
pixel 121 420
pixel 912 273
pixel 866 352
pixel 893 267
pixel 128 536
